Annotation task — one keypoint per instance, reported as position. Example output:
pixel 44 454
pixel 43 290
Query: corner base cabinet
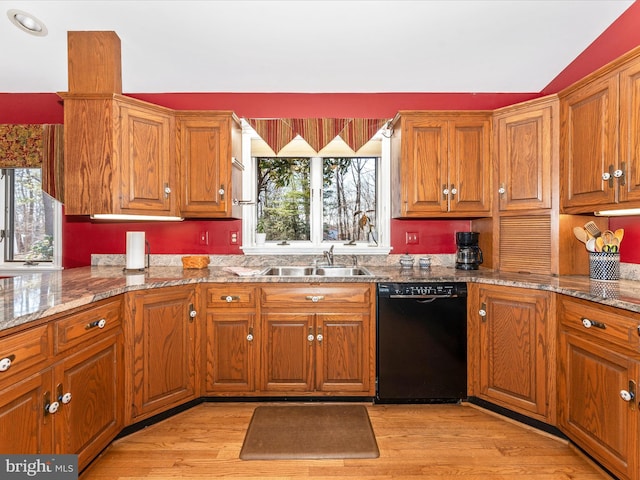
pixel 599 369
pixel 512 349
pixel 160 357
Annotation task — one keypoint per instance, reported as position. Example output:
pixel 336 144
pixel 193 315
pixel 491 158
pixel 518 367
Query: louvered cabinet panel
pixel 525 244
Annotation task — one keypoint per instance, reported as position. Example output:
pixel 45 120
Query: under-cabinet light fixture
pixel 135 218
pixel 617 213
pixel 27 22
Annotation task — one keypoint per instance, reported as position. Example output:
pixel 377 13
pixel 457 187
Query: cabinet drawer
pixel 89 324
pixel 23 350
pixel 601 322
pixel 357 294
pixel 227 295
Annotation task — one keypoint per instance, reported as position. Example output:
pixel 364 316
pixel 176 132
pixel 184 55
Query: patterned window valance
pixel 317 132
pixel 33 146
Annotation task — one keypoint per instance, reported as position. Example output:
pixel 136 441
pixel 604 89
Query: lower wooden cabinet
pixel 74 403
pixel 160 357
pixel 318 340
pixel 231 339
pixel 599 368
pixel 512 349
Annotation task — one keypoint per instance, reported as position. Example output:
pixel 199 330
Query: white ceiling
pixel 312 46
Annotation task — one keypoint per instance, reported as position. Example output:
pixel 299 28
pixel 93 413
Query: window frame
pixel 316 245
pixel 18 267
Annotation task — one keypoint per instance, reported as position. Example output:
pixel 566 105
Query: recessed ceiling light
pixel 27 22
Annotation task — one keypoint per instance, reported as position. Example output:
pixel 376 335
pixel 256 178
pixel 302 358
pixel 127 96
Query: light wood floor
pixel 415 441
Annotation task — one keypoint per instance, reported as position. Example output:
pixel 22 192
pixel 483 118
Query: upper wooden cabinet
pixel 526 155
pixel 600 139
pixel 209 146
pixel 118 156
pixel 441 163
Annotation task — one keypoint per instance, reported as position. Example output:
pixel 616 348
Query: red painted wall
pixel 82 237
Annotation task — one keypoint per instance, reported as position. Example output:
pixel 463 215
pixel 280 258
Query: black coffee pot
pixel 468 253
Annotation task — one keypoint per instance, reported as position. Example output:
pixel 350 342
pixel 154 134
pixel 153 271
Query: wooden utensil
pixel 581 234
pixel 592 228
pixel 619 234
pixel 599 244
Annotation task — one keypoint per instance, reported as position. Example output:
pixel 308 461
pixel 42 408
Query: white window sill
pixel 272 248
pixel 8 270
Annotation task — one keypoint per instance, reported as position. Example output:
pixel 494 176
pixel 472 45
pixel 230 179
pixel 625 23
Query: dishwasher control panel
pixel 436 290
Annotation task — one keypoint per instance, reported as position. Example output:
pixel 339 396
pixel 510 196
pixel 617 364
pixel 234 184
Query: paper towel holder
pixel 137 271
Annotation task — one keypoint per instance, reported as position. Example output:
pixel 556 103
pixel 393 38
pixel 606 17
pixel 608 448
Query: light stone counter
pixel 30 298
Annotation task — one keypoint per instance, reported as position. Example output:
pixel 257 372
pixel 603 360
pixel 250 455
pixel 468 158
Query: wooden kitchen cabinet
pixel 318 339
pixel 441 163
pixel 231 340
pixel 84 379
pixel 526 155
pixel 600 138
pixel 160 357
pixel 512 349
pixel 119 156
pixel 599 362
pixel 209 146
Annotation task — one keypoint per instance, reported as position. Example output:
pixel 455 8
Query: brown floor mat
pixel 309 431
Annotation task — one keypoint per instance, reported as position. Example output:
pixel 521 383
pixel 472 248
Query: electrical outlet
pixel 233 238
pixel 204 238
pixel 412 238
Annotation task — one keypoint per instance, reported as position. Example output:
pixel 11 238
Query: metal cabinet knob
pixel 249 338
pixel 310 337
pixel 66 398
pixel 588 323
pixel 315 298
pixel 482 312
pixel 502 190
pixel 618 173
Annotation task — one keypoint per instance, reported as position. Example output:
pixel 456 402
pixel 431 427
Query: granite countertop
pixel 31 297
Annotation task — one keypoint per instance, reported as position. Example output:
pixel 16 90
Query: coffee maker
pixel 468 253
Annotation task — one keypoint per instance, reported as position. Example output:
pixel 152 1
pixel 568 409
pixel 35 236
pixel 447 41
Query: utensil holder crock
pixel 604 266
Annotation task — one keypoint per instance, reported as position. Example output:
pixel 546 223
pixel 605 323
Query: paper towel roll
pixel 135 251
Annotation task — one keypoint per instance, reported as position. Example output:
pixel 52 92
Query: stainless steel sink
pixel 324 271
pixel 289 271
pixel 342 271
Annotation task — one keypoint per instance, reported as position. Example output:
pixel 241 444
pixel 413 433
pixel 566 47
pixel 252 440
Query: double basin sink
pixel 319 271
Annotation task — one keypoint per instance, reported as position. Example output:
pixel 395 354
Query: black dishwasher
pixel 421 342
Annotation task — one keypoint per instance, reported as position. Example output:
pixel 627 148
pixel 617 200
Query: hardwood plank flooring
pixel 415 441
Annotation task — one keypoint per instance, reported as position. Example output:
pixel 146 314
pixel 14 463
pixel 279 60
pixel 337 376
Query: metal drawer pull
pixel 98 323
pixel 587 323
pixel 63 398
pixel 319 337
pixel 250 335
pixel 49 407
pixel 192 312
pixel 230 298
pixel 315 298
pixel 5 363
pixel 310 337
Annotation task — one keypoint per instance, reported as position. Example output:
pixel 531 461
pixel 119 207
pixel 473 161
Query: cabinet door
pixel 94 414
pixel 144 143
pixel 589 139
pixel 342 362
pixel 516 354
pixel 469 181
pixel 163 359
pixel 230 350
pixel 288 352
pixel 591 410
pixel 24 426
pixel 205 156
pixel 525 151
pixel 423 172
pixel 630 133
